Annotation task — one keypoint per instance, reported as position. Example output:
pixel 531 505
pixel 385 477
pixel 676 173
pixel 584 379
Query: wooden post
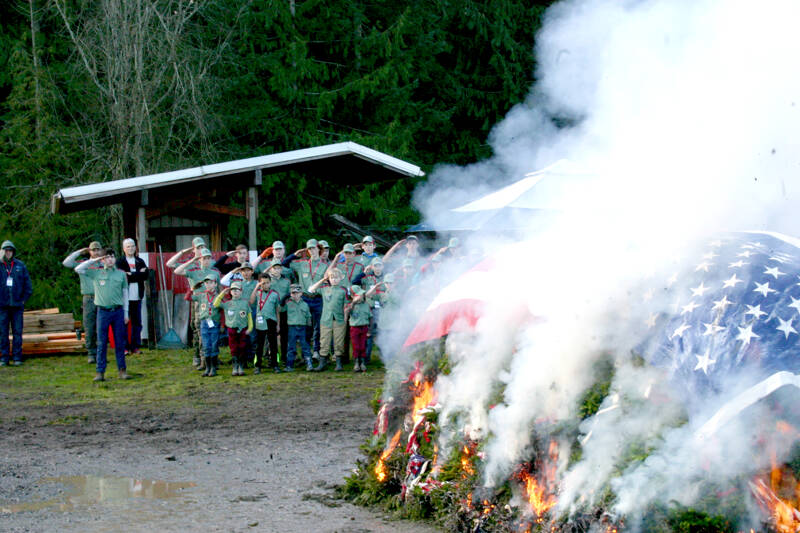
pixel 141 229
pixel 252 215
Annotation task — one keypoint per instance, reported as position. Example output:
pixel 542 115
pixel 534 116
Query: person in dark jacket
pixel 136 271
pixel 15 289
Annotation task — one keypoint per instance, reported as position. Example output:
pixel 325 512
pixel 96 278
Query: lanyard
pixel 210 300
pixel 352 269
pixel 9 269
pixel 315 270
pixel 264 301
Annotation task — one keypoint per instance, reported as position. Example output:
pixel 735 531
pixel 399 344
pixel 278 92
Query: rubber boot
pixel 208 367
pixel 357 366
pixel 323 361
pixel 309 365
pixel 202 365
pixel 235 365
pixel 338 364
pixel 196 361
pixel 100 376
pixel 214 365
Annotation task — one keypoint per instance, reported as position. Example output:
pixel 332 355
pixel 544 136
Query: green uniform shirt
pixel 205 306
pixel 247 288
pixel 110 286
pixel 236 313
pixel 266 263
pixel 281 286
pixel 266 307
pixel 350 271
pixel 333 300
pixel 87 285
pixel 308 272
pixel 391 304
pixel 361 312
pixel 198 274
pixel 298 313
pixel 366 261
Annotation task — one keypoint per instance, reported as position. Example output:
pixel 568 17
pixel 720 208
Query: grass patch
pixel 160 377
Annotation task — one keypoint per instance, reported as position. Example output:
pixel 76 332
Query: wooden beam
pixel 252 216
pixel 220 209
pixel 141 229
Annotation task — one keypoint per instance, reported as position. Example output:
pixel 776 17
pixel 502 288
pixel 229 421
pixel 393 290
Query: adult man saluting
pixel 111 300
pixel 87 293
pixel 15 289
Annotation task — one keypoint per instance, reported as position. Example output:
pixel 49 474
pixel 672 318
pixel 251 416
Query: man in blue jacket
pixel 15 289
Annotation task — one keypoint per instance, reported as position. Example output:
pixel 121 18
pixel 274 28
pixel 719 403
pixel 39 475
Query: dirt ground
pixel 241 460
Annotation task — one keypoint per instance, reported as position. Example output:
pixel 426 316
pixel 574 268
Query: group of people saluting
pixel 268 306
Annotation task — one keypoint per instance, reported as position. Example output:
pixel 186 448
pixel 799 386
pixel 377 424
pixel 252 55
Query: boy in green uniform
pixel 280 284
pixel 332 322
pixel 111 299
pixel 87 293
pixel 298 316
pixel 360 311
pixel 266 302
pixel 196 269
pixel 309 269
pixel 239 323
pixel 244 275
pixel 346 262
pixel 208 315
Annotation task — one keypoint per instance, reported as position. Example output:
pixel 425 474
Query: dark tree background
pixel 107 89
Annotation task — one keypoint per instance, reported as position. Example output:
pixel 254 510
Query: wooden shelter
pixel 173 207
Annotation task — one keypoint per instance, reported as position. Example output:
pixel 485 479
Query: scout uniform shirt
pixel 297 313
pixel 110 286
pixel 308 272
pixel 197 275
pixel 266 307
pixel 205 307
pixel 350 272
pixel 247 288
pixel 236 313
pixel 333 299
pixel 366 260
pixel 281 286
pixel 87 285
pixel 361 312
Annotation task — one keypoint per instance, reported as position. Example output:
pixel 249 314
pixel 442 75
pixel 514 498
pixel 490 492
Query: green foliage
pixel 688 520
pixel 594 396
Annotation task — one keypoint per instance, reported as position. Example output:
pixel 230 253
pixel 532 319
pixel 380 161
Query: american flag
pixel 732 314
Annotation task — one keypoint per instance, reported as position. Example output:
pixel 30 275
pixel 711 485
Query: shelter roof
pixel 346 163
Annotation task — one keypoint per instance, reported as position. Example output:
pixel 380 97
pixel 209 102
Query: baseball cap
pixel 412 238
pixel 205 253
pixel 377 261
pixel 294 287
pixel 278 244
pixel 275 262
pixel 246 265
pixel 95 245
pixel 349 248
pixel 210 277
pixel 198 241
pixel 236 285
pixel 368 238
pixel 310 243
pixel 324 244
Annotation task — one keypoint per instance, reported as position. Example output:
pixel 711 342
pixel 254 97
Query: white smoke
pixel 687 111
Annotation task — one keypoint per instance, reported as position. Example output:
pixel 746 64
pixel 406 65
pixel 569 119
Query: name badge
pixel 102 282
pixel 230 312
pixel 9 282
pixel 260 319
pixel 209 323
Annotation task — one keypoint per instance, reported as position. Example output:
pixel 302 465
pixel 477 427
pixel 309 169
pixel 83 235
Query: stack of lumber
pixel 47 331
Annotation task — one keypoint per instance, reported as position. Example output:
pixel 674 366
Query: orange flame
pixel 380 466
pixel 783 511
pixel 423 397
pixel 466 462
pixel 540 489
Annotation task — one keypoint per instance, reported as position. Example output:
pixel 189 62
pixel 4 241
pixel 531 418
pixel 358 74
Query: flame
pixel 540 489
pixel 380 466
pixel 783 512
pixel 466 463
pixel 423 397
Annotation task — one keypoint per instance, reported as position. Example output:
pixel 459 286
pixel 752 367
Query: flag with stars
pixel 733 315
